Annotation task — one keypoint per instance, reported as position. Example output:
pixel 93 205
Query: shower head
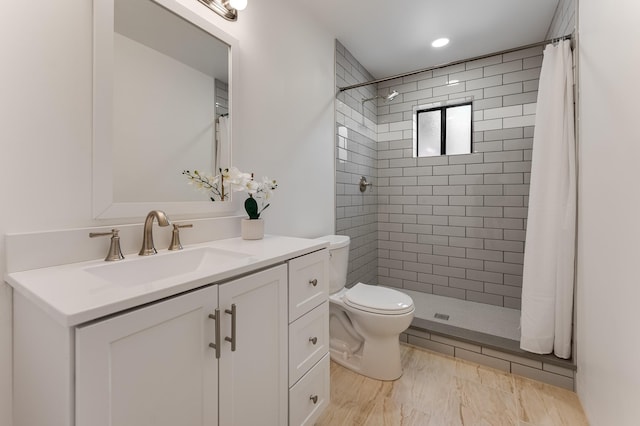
pixel 388 98
pixel 391 95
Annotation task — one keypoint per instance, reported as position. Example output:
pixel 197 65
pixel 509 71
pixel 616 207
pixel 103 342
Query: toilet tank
pixel 338 261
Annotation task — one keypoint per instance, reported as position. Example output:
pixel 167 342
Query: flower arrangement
pixel 258 192
pixel 232 179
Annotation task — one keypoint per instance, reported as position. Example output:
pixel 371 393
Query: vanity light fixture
pixel 440 42
pixel 228 9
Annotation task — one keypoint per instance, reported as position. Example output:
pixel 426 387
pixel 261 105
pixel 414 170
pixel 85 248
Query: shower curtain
pixel 548 273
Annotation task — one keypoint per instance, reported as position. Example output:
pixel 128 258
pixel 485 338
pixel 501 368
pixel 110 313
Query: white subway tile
pixel 525 120
pixel 481 83
pixel 472 74
pixel 505 67
pixel 432 82
pixel 505 89
pixel 528 109
pixel 526 53
pixel 479 63
pixel 449 89
pixel 484 125
pixel 510 111
pixel 449 70
pixel 530 74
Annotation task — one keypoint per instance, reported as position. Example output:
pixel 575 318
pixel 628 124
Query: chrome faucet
pixel 147 237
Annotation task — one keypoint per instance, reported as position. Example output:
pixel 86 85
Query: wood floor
pixel 436 390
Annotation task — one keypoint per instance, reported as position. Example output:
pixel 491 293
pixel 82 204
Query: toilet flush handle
pixel 313 282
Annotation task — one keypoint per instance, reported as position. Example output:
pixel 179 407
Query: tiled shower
pixel 449 225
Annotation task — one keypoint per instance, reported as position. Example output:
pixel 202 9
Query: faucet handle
pixel 115 253
pixel 175 236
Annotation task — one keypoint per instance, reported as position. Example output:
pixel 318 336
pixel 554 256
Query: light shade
pixel 440 42
pixel 238 4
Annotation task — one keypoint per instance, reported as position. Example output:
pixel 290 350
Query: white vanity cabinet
pixel 155 366
pixel 228 344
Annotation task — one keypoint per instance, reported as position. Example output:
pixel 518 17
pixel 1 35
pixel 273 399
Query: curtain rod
pixel 502 52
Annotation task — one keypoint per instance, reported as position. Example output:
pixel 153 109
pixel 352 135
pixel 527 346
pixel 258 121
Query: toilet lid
pixel 379 300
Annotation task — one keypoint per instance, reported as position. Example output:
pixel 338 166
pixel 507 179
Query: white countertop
pixel 72 295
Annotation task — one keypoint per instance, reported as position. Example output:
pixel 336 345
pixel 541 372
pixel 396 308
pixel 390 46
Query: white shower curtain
pixel 547 287
pixel 222 145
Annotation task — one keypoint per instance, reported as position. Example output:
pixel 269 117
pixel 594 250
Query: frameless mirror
pixel 162 104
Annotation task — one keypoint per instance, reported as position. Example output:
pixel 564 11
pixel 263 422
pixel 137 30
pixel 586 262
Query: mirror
pixel 162 104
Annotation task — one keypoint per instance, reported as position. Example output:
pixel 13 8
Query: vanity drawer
pixel 308 283
pixel 308 341
pixel 310 396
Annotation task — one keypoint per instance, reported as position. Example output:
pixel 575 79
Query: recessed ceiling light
pixel 440 42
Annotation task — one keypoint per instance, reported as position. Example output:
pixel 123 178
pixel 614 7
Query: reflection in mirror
pixel 162 103
pixel 166 77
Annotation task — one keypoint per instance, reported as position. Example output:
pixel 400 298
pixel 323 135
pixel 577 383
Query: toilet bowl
pixel 365 321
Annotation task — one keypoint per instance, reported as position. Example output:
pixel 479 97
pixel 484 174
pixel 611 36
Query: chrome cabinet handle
pixel 314 398
pixel 313 282
pixel 232 339
pixel 313 340
pixel 216 317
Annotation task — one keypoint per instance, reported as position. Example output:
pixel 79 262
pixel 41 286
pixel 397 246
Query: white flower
pixel 232 179
pixel 236 178
pixel 267 186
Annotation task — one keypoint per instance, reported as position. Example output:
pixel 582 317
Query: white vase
pixel 252 229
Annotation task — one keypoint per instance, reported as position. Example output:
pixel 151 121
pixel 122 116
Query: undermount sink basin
pixel 165 265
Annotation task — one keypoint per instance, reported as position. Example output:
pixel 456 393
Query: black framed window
pixel 444 130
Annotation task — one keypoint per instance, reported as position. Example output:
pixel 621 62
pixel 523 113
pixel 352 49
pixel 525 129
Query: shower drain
pixel 442 316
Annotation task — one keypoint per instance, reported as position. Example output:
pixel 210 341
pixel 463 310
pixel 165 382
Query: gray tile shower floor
pixel 489 319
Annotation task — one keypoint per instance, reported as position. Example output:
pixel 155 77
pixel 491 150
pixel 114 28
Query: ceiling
pixel 394 36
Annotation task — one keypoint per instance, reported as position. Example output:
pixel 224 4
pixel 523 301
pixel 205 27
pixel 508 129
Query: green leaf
pixel 251 207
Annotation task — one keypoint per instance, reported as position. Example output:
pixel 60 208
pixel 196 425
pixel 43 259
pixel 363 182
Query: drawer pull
pixel 313 282
pixel 314 398
pixel 313 340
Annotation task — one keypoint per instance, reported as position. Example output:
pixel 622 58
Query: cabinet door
pixel 253 377
pixel 152 366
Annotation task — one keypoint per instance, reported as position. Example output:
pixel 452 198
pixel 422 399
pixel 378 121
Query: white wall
pixel 608 291
pixel 285 105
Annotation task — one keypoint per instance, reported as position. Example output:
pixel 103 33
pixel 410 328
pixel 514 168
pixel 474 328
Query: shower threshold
pixel 481 333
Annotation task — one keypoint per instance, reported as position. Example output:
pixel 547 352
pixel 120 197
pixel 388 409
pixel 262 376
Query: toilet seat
pixel 378 300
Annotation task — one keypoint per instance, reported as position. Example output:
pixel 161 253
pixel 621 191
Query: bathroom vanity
pixel 230 332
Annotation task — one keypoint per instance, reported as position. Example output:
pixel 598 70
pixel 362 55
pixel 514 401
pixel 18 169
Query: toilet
pixel 365 321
